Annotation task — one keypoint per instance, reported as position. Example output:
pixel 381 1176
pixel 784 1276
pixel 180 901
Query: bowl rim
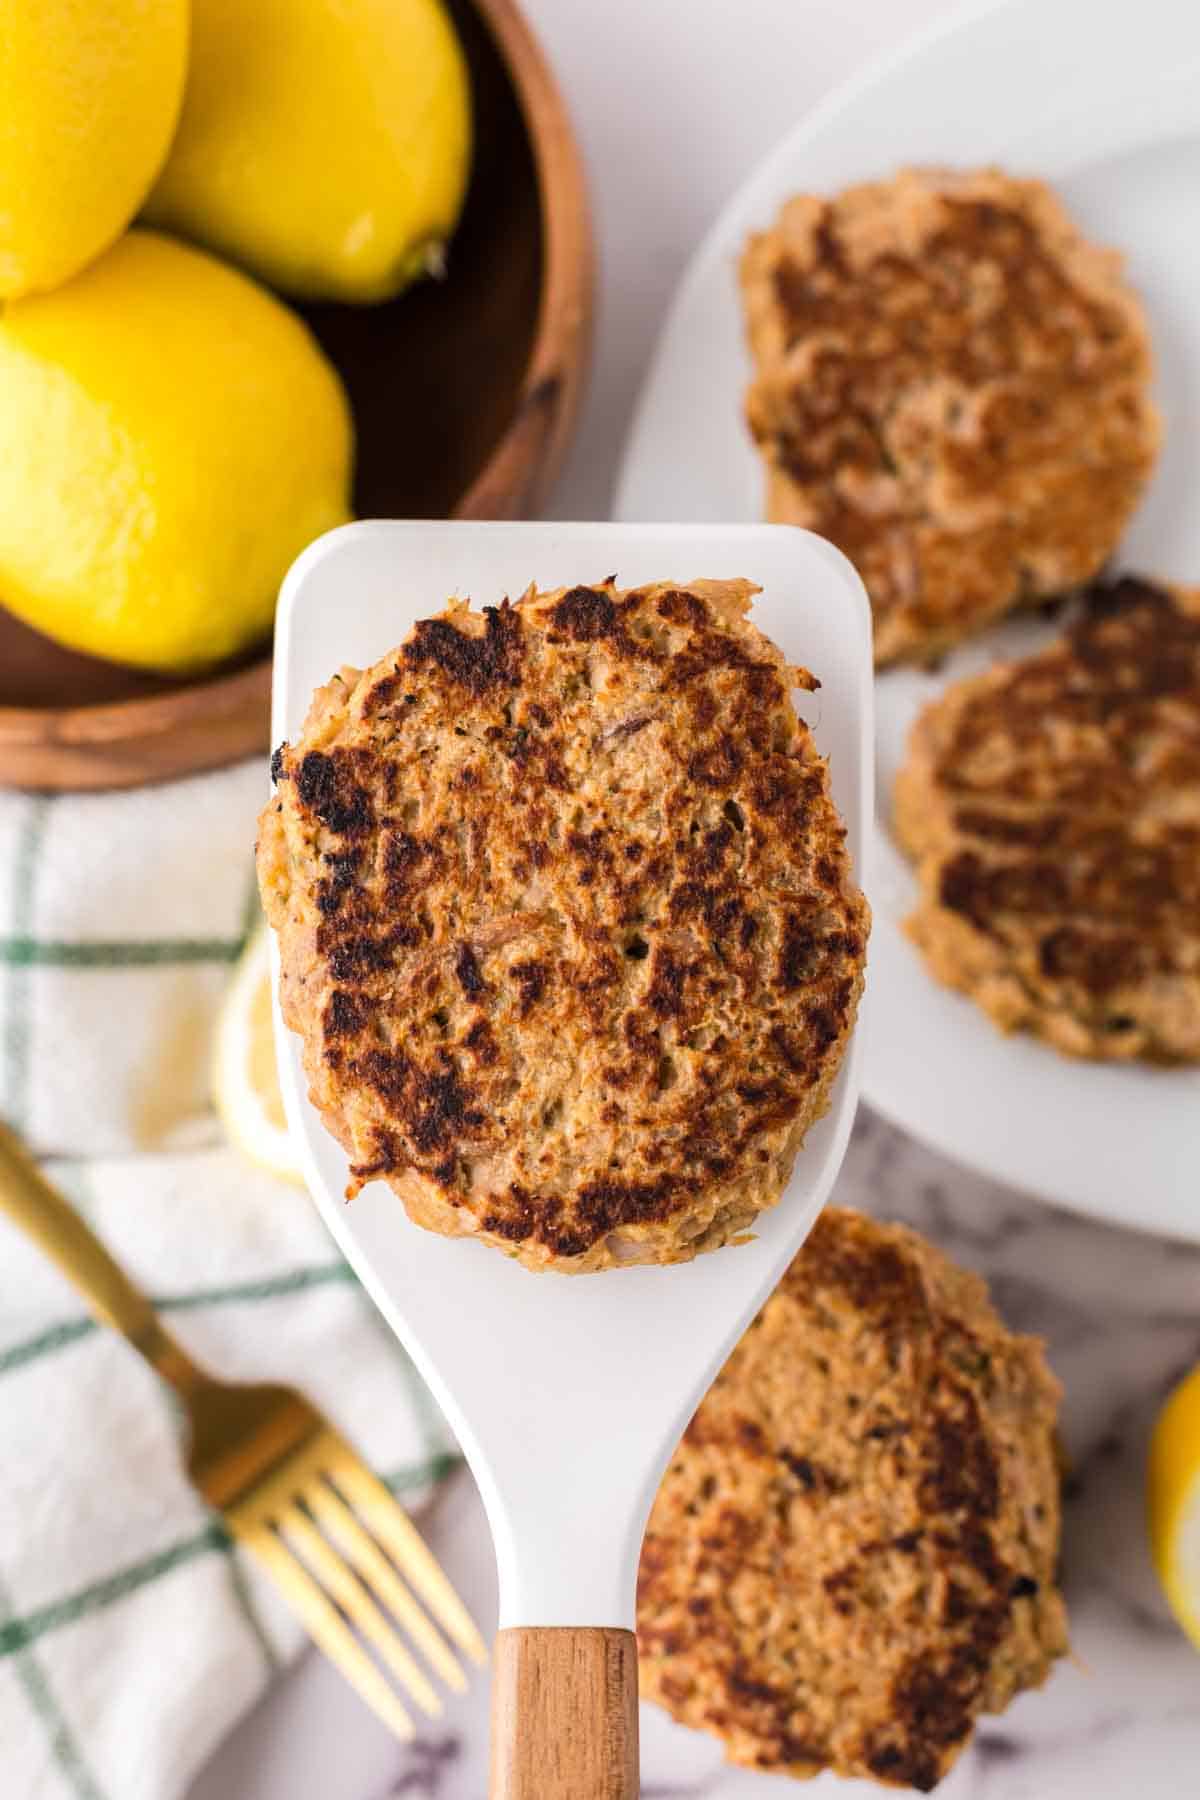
pixel 552 390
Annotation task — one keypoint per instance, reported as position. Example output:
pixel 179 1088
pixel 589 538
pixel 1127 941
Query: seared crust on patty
pixel 566 921
pixel 1052 807
pixel 952 385
pixel 852 1555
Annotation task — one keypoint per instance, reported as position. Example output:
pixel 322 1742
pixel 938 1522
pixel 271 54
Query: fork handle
pixel 47 1216
pixel 564 1714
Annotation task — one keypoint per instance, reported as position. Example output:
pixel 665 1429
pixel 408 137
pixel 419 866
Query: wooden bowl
pixel 464 393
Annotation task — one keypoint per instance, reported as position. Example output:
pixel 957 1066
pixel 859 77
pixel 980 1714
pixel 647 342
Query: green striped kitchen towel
pixel 131 1634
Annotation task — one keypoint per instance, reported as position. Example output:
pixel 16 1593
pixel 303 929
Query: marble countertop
pixel 675 100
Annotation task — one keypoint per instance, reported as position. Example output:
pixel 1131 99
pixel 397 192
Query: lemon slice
pixel 245 1078
pixel 1173 1502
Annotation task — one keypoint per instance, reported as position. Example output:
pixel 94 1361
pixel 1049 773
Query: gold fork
pixel 286 1484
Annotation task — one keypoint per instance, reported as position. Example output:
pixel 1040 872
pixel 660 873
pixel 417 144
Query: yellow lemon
pixel 245 1079
pixel 89 97
pixel 1173 1502
pixel 324 144
pixel 171 437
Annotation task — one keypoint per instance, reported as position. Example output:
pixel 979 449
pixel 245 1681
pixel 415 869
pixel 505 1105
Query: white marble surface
pixel 675 101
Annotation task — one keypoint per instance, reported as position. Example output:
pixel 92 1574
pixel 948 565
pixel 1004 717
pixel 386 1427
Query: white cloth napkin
pixel 131 1634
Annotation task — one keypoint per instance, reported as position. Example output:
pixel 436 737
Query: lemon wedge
pixel 245 1080
pixel 1173 1502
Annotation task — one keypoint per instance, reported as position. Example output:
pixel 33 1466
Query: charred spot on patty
pixel 477 663
pixel 327 786
pixel 585 614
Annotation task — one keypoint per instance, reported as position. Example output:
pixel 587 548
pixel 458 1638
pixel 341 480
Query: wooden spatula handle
pixel 564 1714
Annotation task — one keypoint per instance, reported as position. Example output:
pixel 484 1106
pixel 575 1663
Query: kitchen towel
pixel 132 1634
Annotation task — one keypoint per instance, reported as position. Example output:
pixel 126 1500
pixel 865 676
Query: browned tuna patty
pixel 567 922
pixel 852 1555
pixel 1052 807
pixel 952 385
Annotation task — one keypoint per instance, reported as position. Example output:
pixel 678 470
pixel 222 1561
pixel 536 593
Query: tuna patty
pixel 952 385
pixel 1052 807
pixel 853 1552
pixel 567 922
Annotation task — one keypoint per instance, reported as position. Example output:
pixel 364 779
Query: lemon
pixel 245 1080
pixel 170 438
pixel 324 144
pixel 89 96
pixel 1173 1502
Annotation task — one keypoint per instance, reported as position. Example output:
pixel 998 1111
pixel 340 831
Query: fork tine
pixel 372 1565
pixel 400 1537
pixel 327 1629
pixel 354 1600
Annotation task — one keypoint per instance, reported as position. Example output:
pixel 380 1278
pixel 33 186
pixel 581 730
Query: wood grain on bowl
pixel 465 391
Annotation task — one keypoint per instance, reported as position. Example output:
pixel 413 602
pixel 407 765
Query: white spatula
pixel 569 1394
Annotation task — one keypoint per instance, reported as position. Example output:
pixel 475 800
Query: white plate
pixel 1104 101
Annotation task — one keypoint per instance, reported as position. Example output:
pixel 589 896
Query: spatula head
pixel 568 1394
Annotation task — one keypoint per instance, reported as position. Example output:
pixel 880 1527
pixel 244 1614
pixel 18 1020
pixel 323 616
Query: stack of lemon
pixel 171 434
